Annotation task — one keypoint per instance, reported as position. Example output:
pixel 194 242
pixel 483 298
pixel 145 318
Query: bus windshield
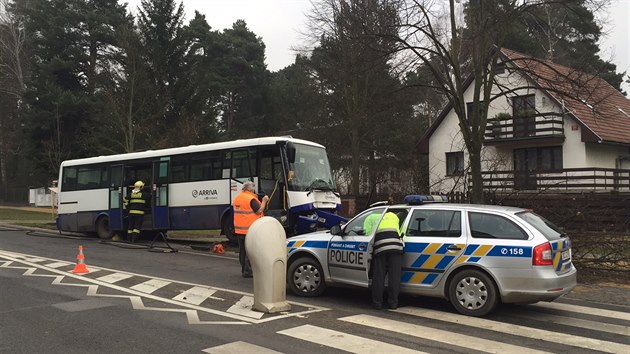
pixel 310 170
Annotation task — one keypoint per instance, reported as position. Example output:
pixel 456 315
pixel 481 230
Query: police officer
pixel 247 209
pixel 136 203
pixel 387 253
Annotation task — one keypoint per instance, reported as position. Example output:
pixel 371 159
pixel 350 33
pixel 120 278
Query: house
pixel 550 128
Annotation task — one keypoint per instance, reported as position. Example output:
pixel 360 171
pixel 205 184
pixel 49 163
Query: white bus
pixel 193 187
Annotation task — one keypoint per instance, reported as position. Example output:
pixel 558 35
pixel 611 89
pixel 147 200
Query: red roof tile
pixel 593 102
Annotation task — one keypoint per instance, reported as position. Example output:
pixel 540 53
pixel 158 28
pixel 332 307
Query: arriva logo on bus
pixel 204 192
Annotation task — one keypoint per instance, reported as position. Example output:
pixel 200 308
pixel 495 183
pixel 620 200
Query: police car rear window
pixel 546 227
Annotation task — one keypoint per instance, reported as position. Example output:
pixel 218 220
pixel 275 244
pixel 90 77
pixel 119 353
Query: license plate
pixel 566 254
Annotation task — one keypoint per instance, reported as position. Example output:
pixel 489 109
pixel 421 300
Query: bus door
pixel 243 169
pixel 271 177
pixel 116 195
pixel 159 194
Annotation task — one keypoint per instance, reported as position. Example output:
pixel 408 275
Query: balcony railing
pixel 539 125
pixel 568 179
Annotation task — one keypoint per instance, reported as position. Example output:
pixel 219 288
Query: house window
pixel 454 163
pixel 524 113
pixel 499 68
pixel 543 159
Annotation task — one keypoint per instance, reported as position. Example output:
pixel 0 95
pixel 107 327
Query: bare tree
pixel 12 81
pixel 461 47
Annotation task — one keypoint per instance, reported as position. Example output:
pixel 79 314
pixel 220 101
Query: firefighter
pixel 136 203
pixel 387 253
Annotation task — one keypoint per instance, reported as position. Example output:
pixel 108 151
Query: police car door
pixel 433 242
pixel 348 253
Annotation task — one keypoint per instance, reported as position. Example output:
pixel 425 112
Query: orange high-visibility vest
pixel 244 215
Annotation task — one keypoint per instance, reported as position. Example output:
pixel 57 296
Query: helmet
pixel 139 184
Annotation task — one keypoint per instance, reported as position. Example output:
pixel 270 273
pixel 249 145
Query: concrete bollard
pixel 266 247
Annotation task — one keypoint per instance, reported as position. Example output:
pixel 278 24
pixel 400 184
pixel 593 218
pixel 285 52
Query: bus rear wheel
pixel 102 228
pixel 228 230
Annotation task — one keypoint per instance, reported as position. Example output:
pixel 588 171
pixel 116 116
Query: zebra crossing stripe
pixel 578 322
pixel 114 277
pixel 438 335
pixel 150 286
pixel 343 341
pixel 239 347
pixel 244 308
pixel 518 330
pixel 196 295
pixel 585 310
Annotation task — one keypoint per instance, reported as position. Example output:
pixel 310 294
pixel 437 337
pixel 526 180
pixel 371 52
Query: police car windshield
pixel 546 227
pixel 311 170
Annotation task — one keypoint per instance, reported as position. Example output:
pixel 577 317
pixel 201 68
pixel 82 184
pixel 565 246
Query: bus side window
pixel 69 182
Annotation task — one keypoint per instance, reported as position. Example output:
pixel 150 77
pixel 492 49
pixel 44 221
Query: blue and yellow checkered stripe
pixel 558 264
pixel 294 245
pixel 433 259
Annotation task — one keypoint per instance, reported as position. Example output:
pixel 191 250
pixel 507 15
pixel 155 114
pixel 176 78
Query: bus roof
pixel 186 149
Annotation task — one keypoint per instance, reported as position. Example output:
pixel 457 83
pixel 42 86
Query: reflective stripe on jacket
pixel 244 215
pixel 387 238
pixel 136 203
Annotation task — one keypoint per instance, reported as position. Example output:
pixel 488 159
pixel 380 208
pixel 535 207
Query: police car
pixel 472 255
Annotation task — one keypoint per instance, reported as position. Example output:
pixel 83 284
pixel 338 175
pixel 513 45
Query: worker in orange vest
pixel 247 209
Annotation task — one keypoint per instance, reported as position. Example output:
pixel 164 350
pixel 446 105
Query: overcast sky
pixel 278 22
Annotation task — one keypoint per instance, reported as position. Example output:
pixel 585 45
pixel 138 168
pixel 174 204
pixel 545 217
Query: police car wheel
pixel 306 278
pixel 472 293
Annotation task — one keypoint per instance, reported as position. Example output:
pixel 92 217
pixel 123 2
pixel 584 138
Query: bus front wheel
pixel 102 228
pixel 228 230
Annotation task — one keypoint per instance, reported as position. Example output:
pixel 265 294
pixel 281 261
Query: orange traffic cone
pixel 80 267
pixel 218 249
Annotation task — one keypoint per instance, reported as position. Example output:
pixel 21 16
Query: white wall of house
pixel 576 154
pixel 573 149
pixel 605 156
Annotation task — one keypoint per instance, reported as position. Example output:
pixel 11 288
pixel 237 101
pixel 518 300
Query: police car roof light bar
pixel 417 199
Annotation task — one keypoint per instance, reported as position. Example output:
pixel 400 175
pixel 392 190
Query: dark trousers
pixel 135 225
pixel 246 268
pixel 390 265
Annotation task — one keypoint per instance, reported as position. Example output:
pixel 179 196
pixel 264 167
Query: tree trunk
pixel 475 171
pixel 356 160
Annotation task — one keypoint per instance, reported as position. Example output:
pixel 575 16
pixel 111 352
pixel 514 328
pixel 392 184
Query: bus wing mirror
pixel 290 152
pixel 335 230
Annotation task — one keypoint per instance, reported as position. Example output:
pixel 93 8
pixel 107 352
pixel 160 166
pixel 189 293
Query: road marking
pixel 585 310
pixel 239 347
pixel 196 295
pixel 150 285
pixel 58 264
pixel 517 330
pixel 343 341
pixel 244 307
pixel 438 335
pixel 578 322
pixel 114 277
pixel 135 296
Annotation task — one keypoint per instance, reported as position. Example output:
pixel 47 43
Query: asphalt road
pixel 194 302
